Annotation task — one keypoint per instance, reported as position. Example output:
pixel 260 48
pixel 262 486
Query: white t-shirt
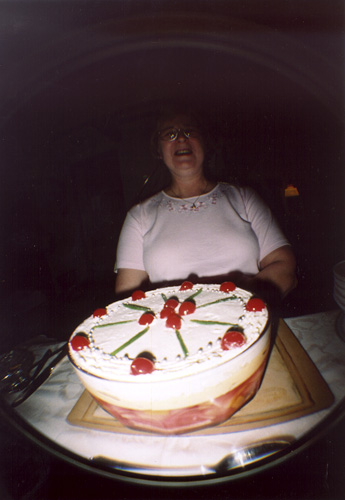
pixel 230 229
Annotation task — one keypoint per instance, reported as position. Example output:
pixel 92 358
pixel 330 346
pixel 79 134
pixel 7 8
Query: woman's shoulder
pixel 147 204
pixel 152 200
pixel 242 198
pixel 235 190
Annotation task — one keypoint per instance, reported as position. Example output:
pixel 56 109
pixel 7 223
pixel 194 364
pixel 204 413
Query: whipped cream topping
pixel 117 338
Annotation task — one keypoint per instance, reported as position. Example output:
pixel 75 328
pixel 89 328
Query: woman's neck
pixel 188 189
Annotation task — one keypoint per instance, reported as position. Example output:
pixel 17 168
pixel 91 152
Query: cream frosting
pixel 195 348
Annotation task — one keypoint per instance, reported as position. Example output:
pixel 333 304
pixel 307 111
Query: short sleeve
pixel 129 253
pixel 264 225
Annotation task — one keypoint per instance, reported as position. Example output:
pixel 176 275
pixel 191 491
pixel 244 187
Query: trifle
pixel 174 359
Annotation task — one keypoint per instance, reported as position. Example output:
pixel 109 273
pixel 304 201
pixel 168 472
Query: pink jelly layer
pixel 193 417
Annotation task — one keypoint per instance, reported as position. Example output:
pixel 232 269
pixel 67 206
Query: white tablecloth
pixel 47 409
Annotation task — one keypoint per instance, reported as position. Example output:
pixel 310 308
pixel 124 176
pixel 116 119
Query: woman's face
pixel 184 155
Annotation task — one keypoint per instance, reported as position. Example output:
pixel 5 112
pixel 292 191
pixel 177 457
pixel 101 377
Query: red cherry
pixel 99 312
pixel 79 342
pixel 187 307
pixel 186 285
pixel 255 305
pixel 138 294
pixel 227 286
pixel 141 366
pixel 146 318
pixel 173 321
pixel 232 339
pixel 171 303
pixel 166 311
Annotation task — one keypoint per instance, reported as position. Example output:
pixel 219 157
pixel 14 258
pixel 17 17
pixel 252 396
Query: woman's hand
pixel 128 280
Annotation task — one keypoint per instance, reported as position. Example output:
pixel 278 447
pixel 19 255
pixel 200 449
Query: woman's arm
pixel 128 280
pixel 276 278
pixel 279 269
pixel 277 275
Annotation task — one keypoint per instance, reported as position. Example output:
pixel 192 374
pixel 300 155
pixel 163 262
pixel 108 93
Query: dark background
pixel 80 86
pixel 81 83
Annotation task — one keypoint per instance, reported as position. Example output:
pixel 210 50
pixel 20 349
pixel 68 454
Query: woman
pixel 200 230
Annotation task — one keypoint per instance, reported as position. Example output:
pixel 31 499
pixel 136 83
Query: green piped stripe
pixel 130 341
pixel 103 325
pixel 217 301
pixel 191 297
pixel 205 322
pixel 137 307
pixel 182 344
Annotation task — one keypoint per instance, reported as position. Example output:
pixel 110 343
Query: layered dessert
pixel 174 359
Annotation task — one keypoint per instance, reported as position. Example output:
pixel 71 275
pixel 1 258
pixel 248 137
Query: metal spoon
pixel 250 454
pixel 240 458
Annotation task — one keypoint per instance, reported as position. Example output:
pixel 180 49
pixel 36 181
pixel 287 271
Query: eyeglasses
pixel 171 133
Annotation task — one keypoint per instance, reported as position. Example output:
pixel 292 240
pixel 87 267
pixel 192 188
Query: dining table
pixel 62 418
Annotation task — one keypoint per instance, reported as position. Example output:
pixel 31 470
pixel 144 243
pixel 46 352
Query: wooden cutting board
pixel 292 387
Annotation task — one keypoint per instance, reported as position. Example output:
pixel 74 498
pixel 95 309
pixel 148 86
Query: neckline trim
pixel 191 197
